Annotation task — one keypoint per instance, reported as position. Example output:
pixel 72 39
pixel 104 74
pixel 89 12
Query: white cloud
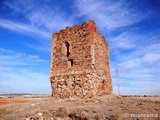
pixel 109 14
pixel 23 28
pixel 39 18
pixel 123 41
pixel 138 69
pixel 15 80
pixel 133 39
pixel 136 84
pixel 19 73
pixel 9 57
pixel 42 47
pixel 151 57
pixel 147 55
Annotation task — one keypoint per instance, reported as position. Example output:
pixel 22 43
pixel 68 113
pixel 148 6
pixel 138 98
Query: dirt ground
pixel 108 107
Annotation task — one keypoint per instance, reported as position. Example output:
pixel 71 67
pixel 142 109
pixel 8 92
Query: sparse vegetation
pixel 79 114
pixel 61 112
pixel 110 107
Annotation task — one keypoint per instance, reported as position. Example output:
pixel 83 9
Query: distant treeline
pixel 140 95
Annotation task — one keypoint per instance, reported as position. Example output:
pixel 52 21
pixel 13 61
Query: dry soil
pixel 108 107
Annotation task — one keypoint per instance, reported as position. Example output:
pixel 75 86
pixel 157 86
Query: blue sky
pixel 131 28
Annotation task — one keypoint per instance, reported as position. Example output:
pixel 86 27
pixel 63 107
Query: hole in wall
pixel 70 63
pixel 67 46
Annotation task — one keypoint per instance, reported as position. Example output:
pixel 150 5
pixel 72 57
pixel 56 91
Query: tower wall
pixel 80 63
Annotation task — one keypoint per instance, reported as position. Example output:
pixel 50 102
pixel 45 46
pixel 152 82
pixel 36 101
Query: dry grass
pixel 109 107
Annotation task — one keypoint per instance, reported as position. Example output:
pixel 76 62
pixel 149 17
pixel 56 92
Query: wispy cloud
pixel 18 80
pixel 9 57
pixel 109 14
pixel 137 83
pixel 123 41
pixel 42 48
pixel 137 57
pixel 147 55
pixel 16 75
pixel 23 28
pixel 38 18
pixel 139 69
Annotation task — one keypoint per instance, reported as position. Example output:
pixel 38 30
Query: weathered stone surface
pixel 80 62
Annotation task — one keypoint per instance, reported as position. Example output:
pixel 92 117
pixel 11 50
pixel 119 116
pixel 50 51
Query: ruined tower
pixel 80 64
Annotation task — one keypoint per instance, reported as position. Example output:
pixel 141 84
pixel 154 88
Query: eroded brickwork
pixel 80 62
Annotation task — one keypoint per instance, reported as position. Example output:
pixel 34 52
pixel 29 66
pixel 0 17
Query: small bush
pixel 79 114
pixel 61 112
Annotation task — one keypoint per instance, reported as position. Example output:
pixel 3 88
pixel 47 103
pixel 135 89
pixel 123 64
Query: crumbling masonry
pixel 80 62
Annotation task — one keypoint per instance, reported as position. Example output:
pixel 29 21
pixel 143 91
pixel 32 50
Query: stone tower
pixel 80 64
